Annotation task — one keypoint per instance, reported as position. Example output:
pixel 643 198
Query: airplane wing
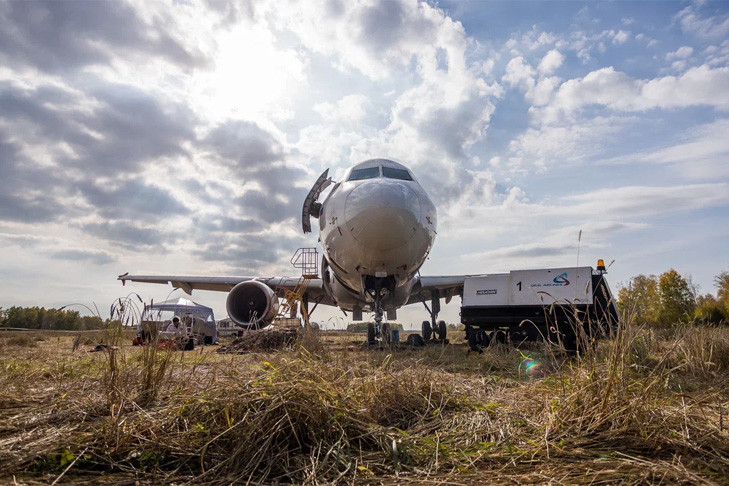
pixel 441 286
pixel 188 283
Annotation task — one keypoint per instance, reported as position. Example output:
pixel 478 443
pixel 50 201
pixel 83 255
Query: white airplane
pixel 377 227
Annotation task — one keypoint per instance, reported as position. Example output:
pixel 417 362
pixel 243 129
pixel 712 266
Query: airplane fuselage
pixel 377 227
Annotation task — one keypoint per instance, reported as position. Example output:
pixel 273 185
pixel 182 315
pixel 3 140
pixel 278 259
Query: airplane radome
pixel 376 228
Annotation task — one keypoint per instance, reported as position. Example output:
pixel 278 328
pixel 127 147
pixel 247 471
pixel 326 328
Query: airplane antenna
pixel 579 240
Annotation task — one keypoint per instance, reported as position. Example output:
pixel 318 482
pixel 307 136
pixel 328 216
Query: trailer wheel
pixel 484 338
pixel 570 342
pixel 473 340
pixel 370 333
pixel 427 331
pixel 442 330
pixel 500 337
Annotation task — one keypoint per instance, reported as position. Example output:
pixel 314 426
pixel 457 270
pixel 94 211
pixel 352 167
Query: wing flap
pixel 188 283
pixel 220 284
pixel 446 286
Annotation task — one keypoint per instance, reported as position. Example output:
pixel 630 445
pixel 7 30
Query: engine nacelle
pixel 252 303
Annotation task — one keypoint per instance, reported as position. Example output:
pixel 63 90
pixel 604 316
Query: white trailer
pixel 550 303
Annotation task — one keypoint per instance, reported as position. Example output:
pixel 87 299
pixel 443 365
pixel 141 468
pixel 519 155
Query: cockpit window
pixel 393 173
pixel 368 173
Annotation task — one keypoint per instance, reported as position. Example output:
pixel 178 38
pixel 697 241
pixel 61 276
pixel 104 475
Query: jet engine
pixel 252 303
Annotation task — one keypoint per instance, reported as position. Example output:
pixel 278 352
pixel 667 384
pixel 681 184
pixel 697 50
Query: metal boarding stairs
pixel 306 259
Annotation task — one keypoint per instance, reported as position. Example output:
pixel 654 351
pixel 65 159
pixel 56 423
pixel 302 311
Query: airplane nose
pixel 382 214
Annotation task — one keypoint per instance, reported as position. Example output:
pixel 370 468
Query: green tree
pixel 709 310
pixel 640 299
pixel 677 299
pixel 52 319
pixel 721 282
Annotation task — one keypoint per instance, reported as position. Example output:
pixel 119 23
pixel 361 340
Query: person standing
pixel 174 326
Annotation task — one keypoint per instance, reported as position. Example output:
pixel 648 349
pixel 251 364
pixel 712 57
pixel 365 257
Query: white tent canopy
pixel 198 318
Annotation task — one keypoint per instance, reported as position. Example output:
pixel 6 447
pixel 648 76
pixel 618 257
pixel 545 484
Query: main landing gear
pixel 437 332
pixel 434 331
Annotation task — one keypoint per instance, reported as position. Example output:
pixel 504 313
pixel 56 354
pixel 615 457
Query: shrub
pixel 362 326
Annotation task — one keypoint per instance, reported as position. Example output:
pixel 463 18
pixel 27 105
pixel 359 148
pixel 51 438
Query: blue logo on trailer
pixel 561 280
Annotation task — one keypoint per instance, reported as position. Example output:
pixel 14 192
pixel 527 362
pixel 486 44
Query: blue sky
pixel 182 137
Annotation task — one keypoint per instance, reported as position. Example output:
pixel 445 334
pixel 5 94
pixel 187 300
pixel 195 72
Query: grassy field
pixel 647 407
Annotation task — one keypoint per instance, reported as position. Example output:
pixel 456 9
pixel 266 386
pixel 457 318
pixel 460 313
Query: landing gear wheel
pixel 386 334
pixel 370 333
pixel 442 330
pixel 427 331
pixel 415 340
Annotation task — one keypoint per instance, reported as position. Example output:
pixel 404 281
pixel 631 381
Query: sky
pixel 182 137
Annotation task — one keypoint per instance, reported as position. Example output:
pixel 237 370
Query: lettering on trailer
pixel 486 292
pixel 559 281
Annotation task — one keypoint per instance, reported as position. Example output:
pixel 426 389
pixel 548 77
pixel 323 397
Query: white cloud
pixel 683 52
pixel 542 93
pixel 374 38
pixel 699 154
pixel 551 62
pixel 711 28
pixel 717 55
pixel 679 66
pixel 646 201
pixel 616 90
pixel 621 37
pixel 349 109
pixel 565 144
pixel 584 43
pixel 533 40
pixel 519 74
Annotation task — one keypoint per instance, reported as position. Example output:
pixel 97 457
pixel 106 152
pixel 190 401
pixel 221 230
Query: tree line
pixel 670 298
pixel 49 319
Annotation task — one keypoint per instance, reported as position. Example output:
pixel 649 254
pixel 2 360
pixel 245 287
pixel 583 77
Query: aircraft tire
pixel 427 331
pixel 415 340
pixel 442 330
pixel 386 334
pixel 370 333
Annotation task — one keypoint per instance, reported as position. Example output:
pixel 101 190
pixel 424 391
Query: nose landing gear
pixel 379 330
pixel 378 289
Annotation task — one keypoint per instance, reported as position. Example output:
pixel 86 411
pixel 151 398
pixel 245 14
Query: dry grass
pixel 644 407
